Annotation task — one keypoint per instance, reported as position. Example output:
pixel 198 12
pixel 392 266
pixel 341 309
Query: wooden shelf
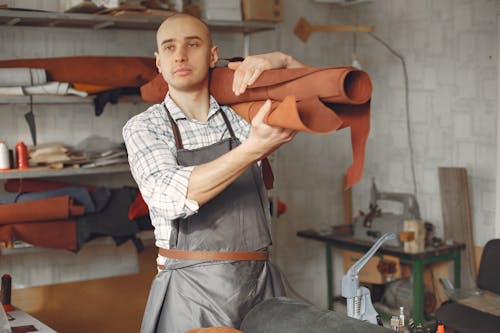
pixel 38 172
pixel 105 22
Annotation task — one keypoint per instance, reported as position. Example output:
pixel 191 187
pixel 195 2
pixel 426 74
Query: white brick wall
pixel 450 49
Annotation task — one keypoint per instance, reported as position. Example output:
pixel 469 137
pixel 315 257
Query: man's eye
pixel 169 48
pixel 193 45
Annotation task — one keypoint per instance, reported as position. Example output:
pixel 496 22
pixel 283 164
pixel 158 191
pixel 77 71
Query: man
pixel 196 165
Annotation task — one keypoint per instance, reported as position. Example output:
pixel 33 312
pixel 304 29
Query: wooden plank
pixel 457 218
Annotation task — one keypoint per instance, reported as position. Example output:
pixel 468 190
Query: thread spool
pixel 4 157
pixel 22 155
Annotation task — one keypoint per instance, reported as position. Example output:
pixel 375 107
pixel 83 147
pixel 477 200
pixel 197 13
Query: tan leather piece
pixel 58 208
pixel 346 90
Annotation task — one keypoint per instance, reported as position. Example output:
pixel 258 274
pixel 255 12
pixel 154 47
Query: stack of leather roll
pixel 65 216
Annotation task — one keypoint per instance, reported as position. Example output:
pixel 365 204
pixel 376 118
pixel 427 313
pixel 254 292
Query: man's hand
pixel 264 139
pixel 209 179
pixel 247 71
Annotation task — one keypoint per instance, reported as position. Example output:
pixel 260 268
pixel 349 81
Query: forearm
pixel 279 59
pixel 209 179
pixel 291 62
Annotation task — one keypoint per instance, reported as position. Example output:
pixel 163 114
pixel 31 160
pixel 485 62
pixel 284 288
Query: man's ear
pixel 157 56
pixel 214 55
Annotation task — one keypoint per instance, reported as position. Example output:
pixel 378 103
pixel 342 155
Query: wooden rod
pixel 343 28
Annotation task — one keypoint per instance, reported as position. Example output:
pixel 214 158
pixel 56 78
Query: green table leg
pixel 418 291
pixel 329 276
pixel 457 269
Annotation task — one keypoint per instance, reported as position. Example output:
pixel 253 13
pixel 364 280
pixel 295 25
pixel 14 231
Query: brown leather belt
pixel 211 255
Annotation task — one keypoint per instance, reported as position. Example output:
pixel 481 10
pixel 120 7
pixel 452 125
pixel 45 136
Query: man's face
pixel 185 53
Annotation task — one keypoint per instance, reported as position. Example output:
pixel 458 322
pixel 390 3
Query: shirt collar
pixel 177 113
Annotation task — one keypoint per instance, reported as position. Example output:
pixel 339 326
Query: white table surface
pixel 22 318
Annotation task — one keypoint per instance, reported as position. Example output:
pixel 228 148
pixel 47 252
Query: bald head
pixel 182 19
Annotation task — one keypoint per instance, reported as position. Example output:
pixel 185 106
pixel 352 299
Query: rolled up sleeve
pixel 163 183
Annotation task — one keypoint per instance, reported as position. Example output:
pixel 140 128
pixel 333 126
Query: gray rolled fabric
pixel 285 315
pixel 22 76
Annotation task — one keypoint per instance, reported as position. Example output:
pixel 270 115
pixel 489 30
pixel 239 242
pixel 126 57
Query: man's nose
pixel 180 54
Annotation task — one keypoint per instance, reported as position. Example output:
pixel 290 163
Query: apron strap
pixel 175 129
pixel 228 124
pixel 177 133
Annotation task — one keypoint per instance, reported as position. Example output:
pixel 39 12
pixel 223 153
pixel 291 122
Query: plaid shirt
pixel 152 157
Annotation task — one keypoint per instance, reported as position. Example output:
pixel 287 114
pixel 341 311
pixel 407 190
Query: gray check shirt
pixel 152 157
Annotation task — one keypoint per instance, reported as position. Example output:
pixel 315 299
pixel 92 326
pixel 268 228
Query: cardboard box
pixel 263 10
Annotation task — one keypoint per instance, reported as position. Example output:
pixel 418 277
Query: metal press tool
pixel 359 303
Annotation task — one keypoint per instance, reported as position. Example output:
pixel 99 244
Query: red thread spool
pixel 22 155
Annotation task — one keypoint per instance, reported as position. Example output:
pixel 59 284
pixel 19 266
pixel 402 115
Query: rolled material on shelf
pixel 58 208
pixel 280 314
pixel 314 100
pixel 49 88
pixel 99 70
pixel 52 234
pixel 11 77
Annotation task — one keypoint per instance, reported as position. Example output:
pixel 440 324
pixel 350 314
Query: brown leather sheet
pixel 314 100
pixel 95 70
pixel 53 234
pixel 58 208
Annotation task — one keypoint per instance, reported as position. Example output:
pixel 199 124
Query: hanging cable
pixel 407 102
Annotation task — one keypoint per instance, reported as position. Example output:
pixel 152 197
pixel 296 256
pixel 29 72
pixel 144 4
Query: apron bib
pixel 189 294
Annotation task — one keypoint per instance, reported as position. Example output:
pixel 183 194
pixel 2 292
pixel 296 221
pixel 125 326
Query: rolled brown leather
pixel 96 70
pixel 327 99
pixel 212 255
pixel 58 208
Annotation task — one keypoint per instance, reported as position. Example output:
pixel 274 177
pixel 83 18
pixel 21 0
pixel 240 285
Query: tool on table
pixel 359 303
pixel 371 225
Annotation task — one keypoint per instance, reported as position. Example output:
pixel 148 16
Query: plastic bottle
pixel 401 319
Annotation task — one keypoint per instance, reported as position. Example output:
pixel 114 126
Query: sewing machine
pixel 370 226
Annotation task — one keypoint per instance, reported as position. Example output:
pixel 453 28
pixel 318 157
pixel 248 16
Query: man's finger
pixel 254 77
pixel 238 77
pixel 234 65
pixel 263 111
pixel 244 81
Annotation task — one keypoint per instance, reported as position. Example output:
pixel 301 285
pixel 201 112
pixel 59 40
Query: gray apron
pixel 189 294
